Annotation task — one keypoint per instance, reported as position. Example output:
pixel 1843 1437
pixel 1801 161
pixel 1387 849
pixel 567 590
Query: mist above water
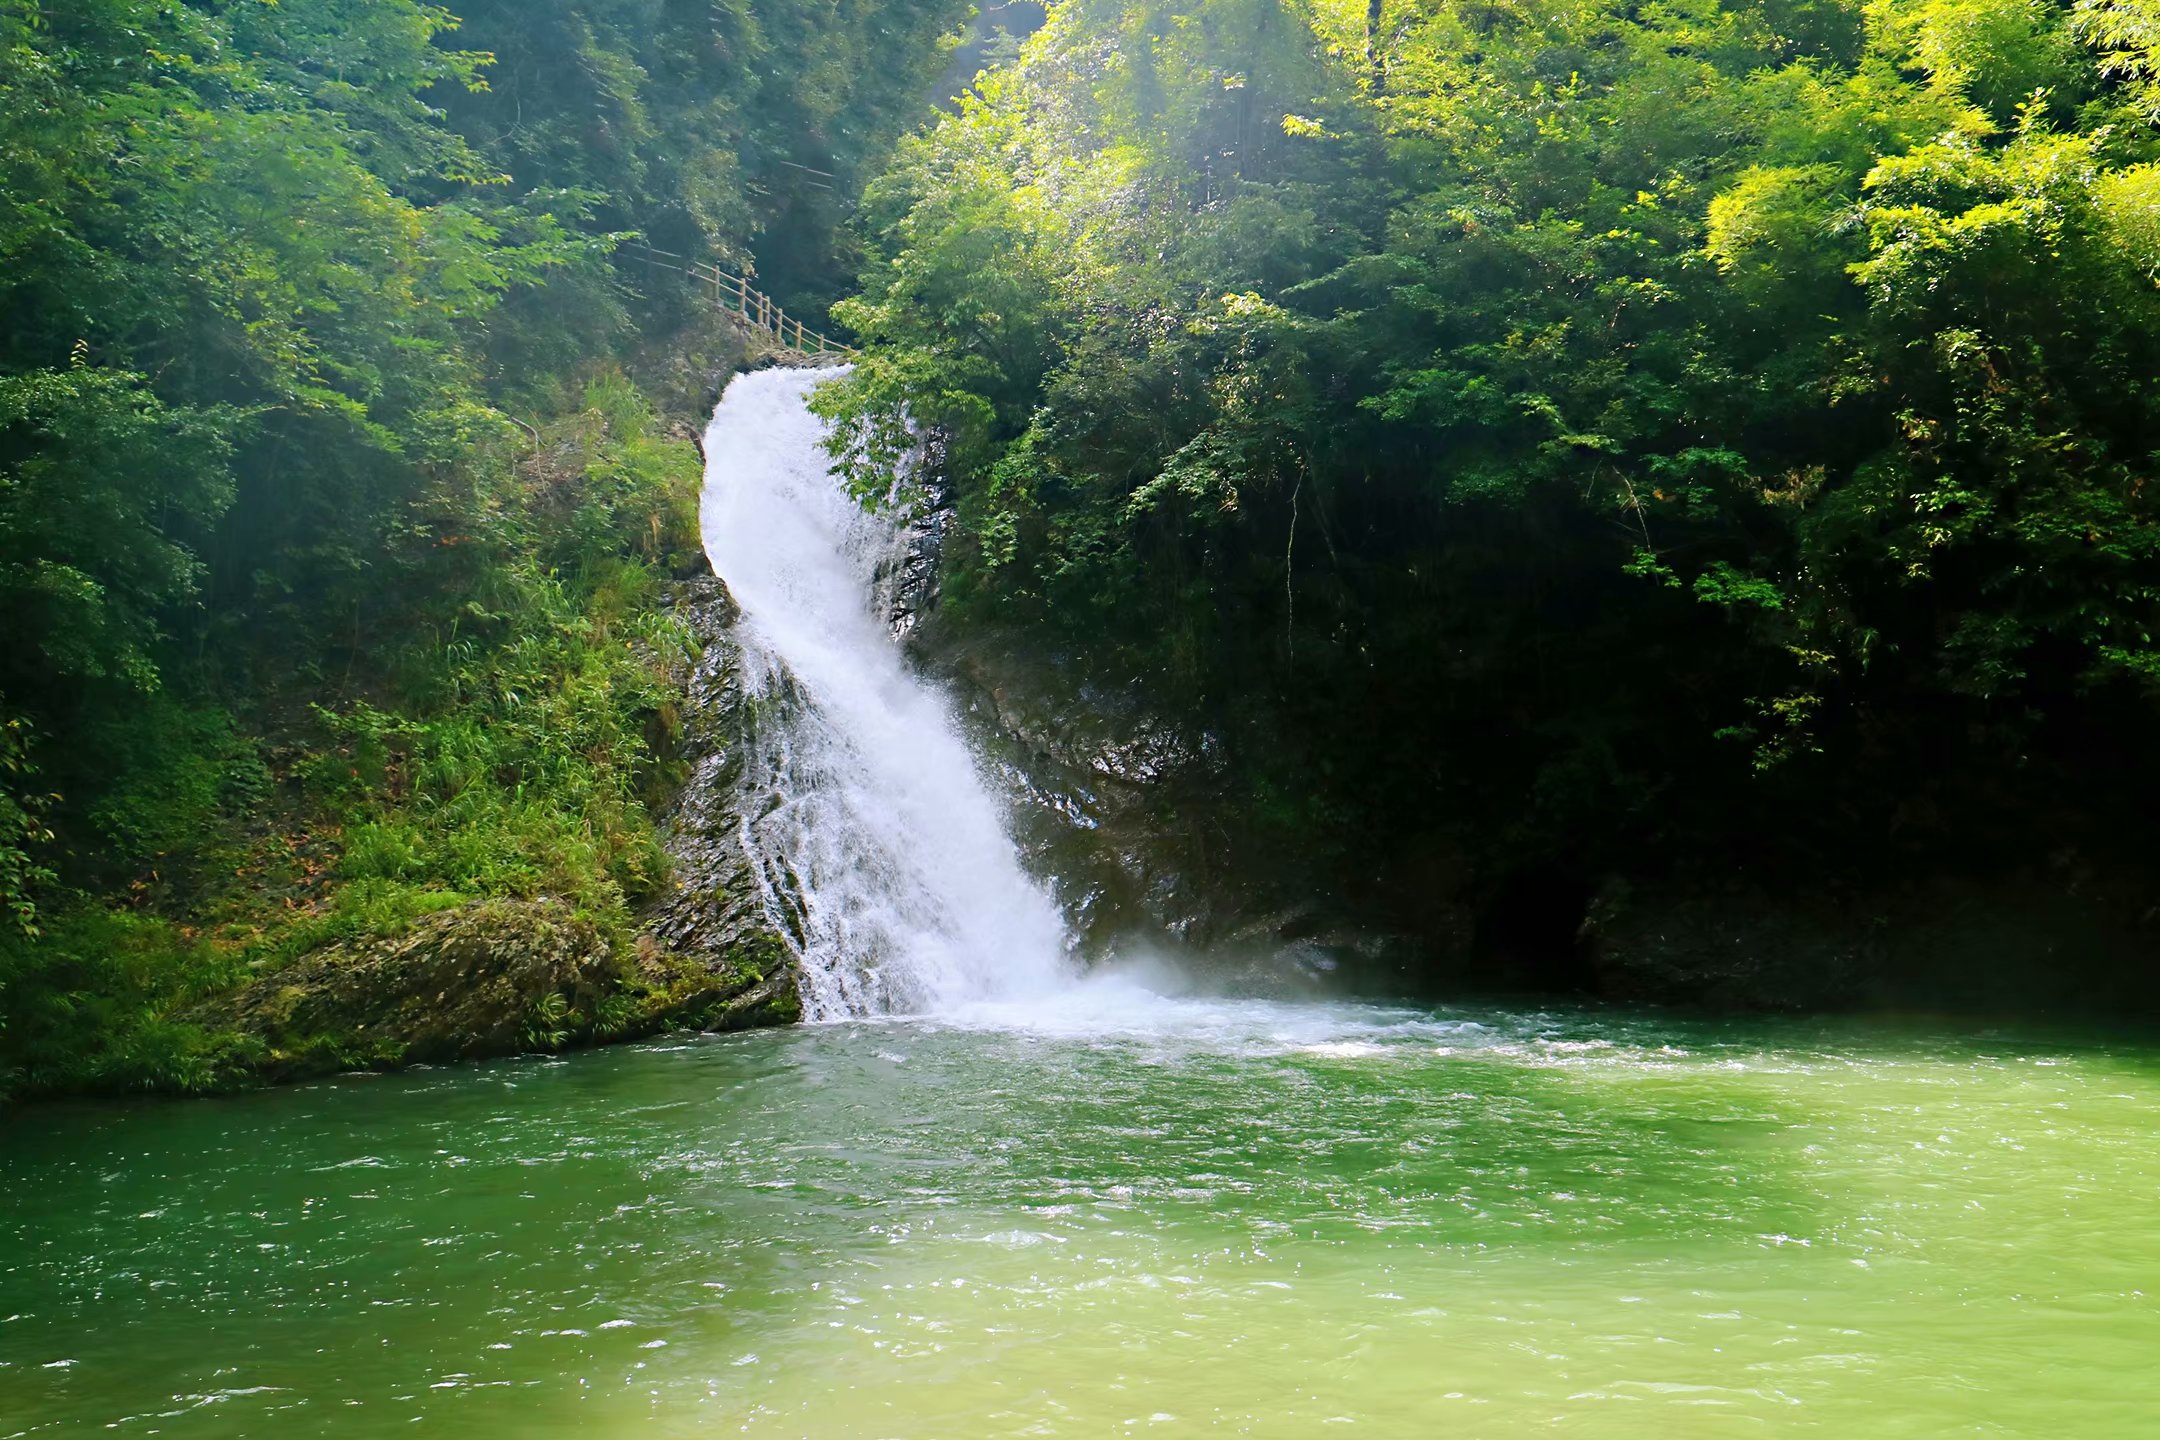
pixel 883 854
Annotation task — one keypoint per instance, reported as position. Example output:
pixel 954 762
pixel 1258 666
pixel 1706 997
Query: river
pixel 1124 1216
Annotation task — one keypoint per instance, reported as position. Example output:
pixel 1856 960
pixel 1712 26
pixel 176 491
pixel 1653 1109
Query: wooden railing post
pixel 736 294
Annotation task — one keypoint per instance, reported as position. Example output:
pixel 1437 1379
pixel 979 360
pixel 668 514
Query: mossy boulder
pixel 490 978
pixel 743 990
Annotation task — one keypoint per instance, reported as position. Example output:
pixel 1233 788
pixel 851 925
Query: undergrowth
pixel 496 733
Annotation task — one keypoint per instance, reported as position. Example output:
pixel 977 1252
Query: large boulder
pixel 490 978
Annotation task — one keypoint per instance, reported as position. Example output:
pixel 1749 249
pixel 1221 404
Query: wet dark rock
pixel 1737 951
pixel 2066 939
pixel 707 945
pixel 1092 775
pixel 1134 821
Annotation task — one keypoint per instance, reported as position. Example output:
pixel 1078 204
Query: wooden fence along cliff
pixel 738 297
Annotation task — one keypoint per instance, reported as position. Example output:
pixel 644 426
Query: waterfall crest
pixel 883 855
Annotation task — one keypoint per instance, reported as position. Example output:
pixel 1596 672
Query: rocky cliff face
pixel 1136 823
pixel 708 941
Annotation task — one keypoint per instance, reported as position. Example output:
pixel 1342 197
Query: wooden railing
pixel 739 297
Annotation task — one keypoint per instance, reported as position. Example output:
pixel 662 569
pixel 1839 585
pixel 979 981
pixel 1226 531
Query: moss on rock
pixel 459 985
pixel 504 976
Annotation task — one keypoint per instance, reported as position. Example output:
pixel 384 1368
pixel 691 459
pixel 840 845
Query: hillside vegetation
pixel 1566 444
pixel 331 525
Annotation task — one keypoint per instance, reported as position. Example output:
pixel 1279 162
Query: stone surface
pixel 491 978
pixel 2067 938
pixel 707 945
pixel 1134 822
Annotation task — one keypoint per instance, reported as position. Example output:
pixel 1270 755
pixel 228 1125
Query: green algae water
pixel 1121 1216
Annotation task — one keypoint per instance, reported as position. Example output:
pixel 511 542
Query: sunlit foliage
pixel 1691 437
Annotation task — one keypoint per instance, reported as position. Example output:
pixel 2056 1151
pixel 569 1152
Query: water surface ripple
pixel 1111 1217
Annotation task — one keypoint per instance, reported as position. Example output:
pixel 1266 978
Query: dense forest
pixel 330 519
pixel 1565 447
pixel 1558 451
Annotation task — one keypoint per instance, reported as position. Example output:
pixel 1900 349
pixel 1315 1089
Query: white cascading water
pixel 884 855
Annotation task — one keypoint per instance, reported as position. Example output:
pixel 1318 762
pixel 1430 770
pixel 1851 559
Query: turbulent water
pixel 884 854
pixel 1208 1218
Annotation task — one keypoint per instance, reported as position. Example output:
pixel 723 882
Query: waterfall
pixel 883 854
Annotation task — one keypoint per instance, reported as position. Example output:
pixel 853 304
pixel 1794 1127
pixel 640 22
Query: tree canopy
pixel 1632 437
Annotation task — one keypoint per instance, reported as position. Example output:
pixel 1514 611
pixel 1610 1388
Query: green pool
pixel 1118 1216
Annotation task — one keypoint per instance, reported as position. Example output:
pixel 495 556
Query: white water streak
pixel 884 855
